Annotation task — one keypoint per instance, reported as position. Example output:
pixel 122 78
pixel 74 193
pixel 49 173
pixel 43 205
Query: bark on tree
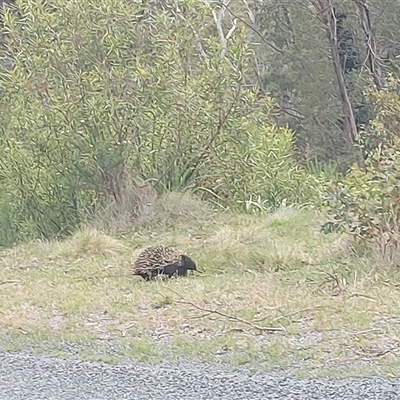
pixel 326 14
pixel 373 56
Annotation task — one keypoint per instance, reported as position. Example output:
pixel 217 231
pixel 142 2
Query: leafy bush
pixel 366 203
pixel 96 92
pixel 254 169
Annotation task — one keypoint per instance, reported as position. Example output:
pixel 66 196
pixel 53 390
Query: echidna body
pixel 161 260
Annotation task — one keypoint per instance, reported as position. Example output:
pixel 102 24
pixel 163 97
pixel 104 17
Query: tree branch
pixel 230 317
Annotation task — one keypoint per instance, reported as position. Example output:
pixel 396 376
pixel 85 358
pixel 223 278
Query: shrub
pixel 98 93
pixel 366 203
pixel 253 169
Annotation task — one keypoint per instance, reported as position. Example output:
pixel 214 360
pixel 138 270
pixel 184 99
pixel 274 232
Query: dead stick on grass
pixel 297 312
pixel 11 282
pixel 209 311
pixel 362 357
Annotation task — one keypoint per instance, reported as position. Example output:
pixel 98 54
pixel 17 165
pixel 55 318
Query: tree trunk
pixel 373 57
pixel 326 14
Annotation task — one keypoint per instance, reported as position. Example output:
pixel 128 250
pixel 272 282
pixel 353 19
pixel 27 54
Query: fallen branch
pixel 12 282
pixel 297 312
pixel 209 311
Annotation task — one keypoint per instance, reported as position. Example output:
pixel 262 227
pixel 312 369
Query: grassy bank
pixel 274 292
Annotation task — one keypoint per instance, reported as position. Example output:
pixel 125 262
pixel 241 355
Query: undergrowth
pixel 268 283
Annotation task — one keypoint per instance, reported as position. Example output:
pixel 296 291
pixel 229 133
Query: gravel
pixel 27 376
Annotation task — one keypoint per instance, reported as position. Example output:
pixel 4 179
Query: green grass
pixel 324 304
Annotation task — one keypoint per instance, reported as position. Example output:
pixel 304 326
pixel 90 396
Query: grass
pixel 274 293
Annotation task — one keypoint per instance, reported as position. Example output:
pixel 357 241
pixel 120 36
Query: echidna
pixel 161 260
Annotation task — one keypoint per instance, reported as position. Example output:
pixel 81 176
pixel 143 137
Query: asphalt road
pixel 29 377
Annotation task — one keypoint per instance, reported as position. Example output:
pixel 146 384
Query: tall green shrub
pixel 97 90
pixel 366 203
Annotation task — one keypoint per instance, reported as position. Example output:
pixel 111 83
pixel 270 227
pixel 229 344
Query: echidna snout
pixel 188 263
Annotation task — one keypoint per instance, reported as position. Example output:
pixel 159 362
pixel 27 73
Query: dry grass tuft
pixel 340 247
pixel 183 208
pixel 89 242
pixel 137 205
pixel 283 214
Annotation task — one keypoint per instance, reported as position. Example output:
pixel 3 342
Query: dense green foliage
pixel 366 202
pixel 240 105
pixel 96 93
